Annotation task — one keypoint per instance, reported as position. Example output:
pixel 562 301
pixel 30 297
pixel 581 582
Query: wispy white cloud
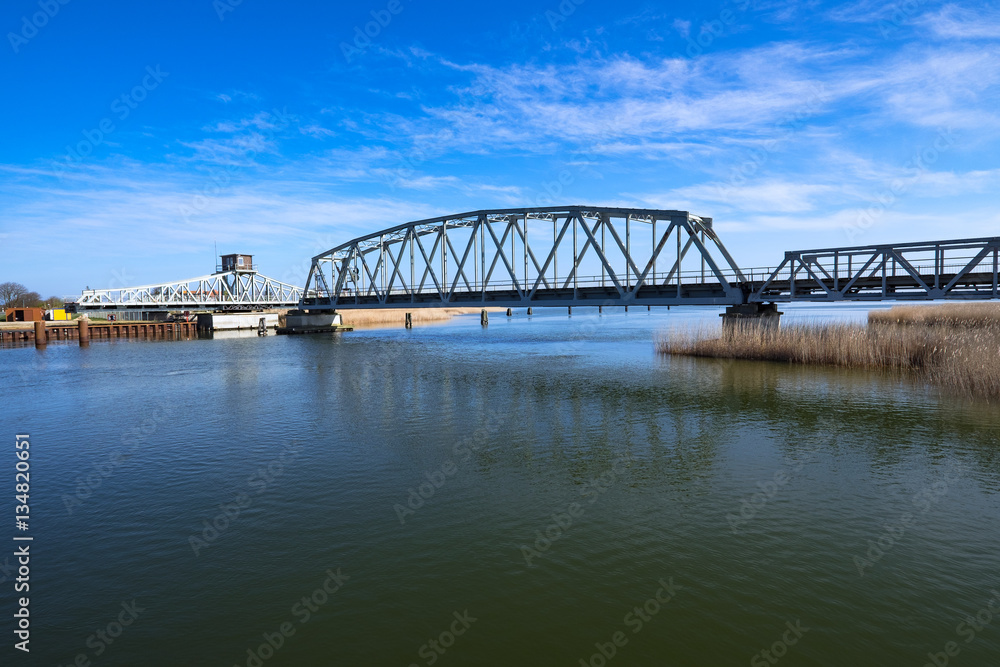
pixel 956 22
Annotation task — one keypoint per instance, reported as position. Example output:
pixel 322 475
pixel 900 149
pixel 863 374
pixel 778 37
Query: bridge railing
pixel 965 268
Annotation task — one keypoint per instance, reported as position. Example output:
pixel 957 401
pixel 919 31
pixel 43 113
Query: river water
pixel 543 491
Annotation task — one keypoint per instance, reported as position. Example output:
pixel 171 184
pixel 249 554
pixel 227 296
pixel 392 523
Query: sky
pixel 141 136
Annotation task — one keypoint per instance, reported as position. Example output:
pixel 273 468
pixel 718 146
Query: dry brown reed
pixel 395 317
pixel 959 357
pixel 951 314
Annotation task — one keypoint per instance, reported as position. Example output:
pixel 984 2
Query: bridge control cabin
pixel 236 263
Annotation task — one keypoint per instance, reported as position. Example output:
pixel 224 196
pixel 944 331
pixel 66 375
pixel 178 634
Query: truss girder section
pixel 230 289
pixel 546 256
pixel 954 269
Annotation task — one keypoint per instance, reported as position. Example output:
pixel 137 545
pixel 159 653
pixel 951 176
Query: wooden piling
pixel 40 338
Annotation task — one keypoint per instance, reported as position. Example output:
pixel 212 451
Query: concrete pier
pixel 764 315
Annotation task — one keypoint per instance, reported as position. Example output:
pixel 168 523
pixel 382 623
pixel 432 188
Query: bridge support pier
pixel 763 315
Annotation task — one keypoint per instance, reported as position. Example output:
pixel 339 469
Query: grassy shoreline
pixel 954 346
pixel 394 317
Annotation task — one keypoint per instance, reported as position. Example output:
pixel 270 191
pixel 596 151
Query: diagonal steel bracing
pixel 548 256
pixel 236 290
pixel 955 269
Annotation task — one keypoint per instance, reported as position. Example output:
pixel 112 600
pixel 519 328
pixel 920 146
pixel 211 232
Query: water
pixel 636 466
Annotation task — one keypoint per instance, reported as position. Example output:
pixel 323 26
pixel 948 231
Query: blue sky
pixel 139 135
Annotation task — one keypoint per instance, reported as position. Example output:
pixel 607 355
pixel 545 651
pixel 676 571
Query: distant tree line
pixel 17 295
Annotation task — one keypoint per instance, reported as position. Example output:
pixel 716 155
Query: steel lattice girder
pixel 957 269
pixel 219 290
pixel 512 257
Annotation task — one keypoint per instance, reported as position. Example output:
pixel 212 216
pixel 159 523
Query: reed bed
pixel 962 358
pixel 950 314
pixel 388 317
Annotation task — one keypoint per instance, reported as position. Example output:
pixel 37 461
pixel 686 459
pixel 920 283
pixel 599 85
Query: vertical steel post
pixel 604 247
pixel 628 252
pixel 653 249
pixel 576 266
pixel 938 268
pixel 678 264
pixel 555 252
pixel 996 261
pixel 703 258
pixel 525 241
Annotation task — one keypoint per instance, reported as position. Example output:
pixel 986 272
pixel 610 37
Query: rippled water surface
pixel 543 491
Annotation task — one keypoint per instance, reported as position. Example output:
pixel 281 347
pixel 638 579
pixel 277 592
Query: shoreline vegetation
pixel 395 317
pixel 955 346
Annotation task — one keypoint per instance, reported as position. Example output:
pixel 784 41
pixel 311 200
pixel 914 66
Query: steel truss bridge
pixel 225 290
pixel 590 256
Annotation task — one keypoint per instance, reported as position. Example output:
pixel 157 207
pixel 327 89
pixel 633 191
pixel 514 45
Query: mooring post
pixel 408 321
pixel 529 310
pixel 40 339
pixel 600 309
pixel 484 318
pixel 626 309
pixel 569 310
pixel 510 313
pixel 84 327
pixel 649 309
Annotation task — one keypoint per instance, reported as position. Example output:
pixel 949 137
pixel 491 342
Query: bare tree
pixel 30 300
pixel 11 293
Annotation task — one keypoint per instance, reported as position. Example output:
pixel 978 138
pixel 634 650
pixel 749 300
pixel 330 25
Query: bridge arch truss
pixel 551 256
